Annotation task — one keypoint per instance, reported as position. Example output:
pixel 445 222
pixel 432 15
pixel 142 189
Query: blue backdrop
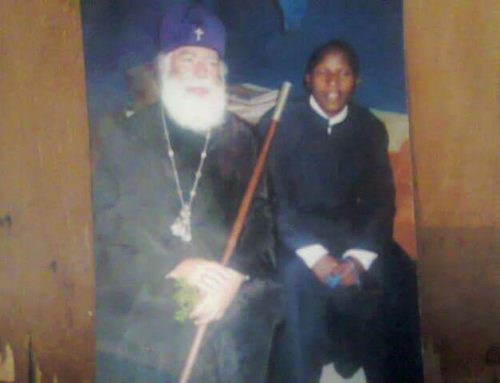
pixel 269 41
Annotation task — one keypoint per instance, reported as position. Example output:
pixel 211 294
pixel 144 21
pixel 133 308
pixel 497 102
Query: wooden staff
pixel 240 220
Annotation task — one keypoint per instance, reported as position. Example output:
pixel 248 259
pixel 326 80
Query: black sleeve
pixel 105 189
pixel 375 193
pixel 293 227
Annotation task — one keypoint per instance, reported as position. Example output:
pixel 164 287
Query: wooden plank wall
pixel 453 71
pixel 46 279
pixel 46 262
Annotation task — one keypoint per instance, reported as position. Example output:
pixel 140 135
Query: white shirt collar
pixel 337 119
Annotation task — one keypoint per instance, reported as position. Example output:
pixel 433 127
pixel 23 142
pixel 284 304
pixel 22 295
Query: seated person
pixel 167 188
pixel 350 289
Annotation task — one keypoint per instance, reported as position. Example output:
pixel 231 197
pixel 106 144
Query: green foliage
pixel 186 297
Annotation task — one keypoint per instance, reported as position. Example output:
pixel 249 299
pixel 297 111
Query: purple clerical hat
pixel 191 25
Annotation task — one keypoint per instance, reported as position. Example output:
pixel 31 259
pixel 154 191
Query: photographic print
pixel 308 275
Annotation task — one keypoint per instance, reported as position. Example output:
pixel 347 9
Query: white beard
pixel 191 111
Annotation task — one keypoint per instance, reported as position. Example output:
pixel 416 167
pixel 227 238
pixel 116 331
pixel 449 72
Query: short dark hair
pixel 334 46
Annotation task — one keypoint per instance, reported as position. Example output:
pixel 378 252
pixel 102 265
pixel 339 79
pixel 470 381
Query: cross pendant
pixel 182 225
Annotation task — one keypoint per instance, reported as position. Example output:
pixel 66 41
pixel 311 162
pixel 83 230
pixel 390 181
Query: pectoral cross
pixel 199 33
pixel 182 225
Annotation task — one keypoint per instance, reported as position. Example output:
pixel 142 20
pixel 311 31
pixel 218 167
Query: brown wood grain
pixel 452 51
pixel 46 277
pixel 453 66
pixel 46 263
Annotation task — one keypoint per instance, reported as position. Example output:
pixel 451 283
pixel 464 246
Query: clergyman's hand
pixel 219 286
pixel 191 270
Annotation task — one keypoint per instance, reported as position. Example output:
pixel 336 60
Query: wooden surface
pixel 453 66
pixel 46 263
pixel 452 51
pixel 45 243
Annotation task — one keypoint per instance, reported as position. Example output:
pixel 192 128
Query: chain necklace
pixel 182 225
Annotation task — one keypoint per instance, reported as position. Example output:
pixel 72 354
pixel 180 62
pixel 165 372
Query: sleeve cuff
pixel 311 254
pixel 365 257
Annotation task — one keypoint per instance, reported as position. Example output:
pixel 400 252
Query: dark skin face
pixel 332 82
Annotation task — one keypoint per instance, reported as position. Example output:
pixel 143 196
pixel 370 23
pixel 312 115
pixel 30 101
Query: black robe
pixel 135 203
pixel 336 189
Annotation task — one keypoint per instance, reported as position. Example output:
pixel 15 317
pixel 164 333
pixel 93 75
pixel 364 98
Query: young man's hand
pixel 349 269
pixel 323 267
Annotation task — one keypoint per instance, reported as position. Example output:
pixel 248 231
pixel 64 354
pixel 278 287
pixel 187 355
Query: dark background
pixel 269 41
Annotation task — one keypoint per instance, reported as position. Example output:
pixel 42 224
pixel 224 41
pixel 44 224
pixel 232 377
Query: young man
pixel 350 290
pixel 168 186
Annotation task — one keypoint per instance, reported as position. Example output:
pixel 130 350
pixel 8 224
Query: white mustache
pixel 197 83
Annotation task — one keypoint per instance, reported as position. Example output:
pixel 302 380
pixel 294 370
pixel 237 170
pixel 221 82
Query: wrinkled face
pixel 332 82
pixel 197 65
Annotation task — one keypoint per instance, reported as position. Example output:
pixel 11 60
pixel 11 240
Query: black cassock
pixel 135 203
pixel 336 189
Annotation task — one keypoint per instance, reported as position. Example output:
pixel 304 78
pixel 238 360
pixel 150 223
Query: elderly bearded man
pixel 167 189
